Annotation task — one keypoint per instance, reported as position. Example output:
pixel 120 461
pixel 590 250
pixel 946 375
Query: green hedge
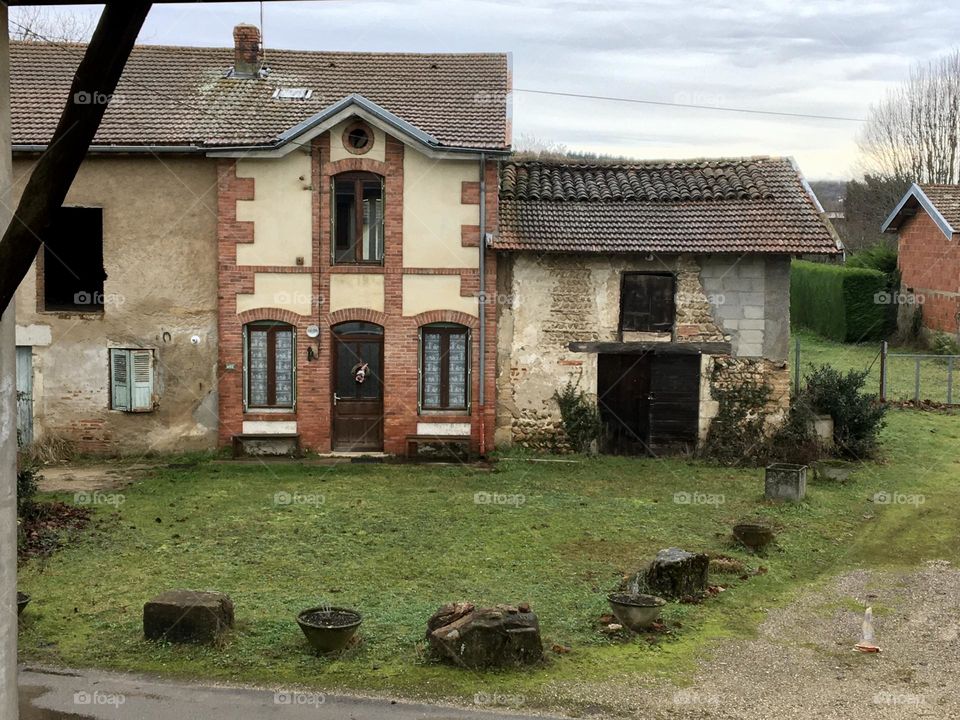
pixel 842 303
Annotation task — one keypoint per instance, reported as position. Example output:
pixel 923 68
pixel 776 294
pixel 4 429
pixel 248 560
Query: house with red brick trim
pixel 334 251
pixel 289 251
pixel 927 224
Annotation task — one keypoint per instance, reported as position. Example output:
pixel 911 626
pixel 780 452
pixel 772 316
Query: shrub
pixel 857 416
pixel 736 434
pixel 581 419
pixel 944 344
pixel 846 304
pixel 27 476
pixel 795 440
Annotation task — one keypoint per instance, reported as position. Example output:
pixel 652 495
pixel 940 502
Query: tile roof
pixel 726 205
pixel 181 95
pixel 946 199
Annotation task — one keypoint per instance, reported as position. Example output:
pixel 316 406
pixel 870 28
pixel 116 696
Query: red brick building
pixel 927 222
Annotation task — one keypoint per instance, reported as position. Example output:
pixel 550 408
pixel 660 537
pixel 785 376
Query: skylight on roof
pixel 282 93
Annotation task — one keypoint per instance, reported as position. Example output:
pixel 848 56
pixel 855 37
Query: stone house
pixel 284 250
pixel 927 224
pixel 649 285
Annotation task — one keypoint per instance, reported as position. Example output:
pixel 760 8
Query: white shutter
pixel 119 379
pixel 141 387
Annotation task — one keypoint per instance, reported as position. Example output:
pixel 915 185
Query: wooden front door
pixel 357 387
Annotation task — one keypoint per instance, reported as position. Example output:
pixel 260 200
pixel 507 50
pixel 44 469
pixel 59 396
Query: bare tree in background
pixel 42 23
pixel 913 134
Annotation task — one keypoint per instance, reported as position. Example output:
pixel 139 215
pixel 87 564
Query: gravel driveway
pixel 802 663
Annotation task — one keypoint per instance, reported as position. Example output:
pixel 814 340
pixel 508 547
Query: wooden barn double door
pixel 649 402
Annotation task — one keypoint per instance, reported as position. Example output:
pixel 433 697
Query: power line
pixel 693 106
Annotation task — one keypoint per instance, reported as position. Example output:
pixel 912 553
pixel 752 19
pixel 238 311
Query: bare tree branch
pixel 45 24
pixel 914 132
pixel 96 78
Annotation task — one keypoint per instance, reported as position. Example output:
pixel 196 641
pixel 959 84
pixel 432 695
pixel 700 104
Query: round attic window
pixel 358 138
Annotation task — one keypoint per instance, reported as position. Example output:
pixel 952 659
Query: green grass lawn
pixel 901 377
pixel 397 541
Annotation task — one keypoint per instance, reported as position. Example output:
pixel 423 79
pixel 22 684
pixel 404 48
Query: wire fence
pixel 896 376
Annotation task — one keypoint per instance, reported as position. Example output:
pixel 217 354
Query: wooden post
pixel 8 423
pixel 96 77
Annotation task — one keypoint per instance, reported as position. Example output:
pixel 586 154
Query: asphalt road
pixel 80 695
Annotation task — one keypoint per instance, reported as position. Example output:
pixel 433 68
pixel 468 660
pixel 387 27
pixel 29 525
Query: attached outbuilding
pixel 650 285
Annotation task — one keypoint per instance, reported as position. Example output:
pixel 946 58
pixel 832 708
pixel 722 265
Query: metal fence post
pixel 796 366
pixel 950 380
pixel 916 380
pixel 883 371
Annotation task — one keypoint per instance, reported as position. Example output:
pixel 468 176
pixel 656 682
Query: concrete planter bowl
pixel 22 601
pixel 785 481
pixel 754 535
pixel 329 629
pixel 636 610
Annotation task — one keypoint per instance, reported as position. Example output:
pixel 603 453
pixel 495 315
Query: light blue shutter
pixel 141 389
pixel 120 379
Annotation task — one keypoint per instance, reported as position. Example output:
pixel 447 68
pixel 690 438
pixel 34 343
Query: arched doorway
pixel 357 380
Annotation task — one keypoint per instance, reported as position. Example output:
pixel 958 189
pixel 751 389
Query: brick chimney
pixel 246 51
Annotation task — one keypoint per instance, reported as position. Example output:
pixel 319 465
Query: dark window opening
pixel 444 367
pixel 358 218
pixel 73 272
pixel 269 365
pixel 358 138
pixel 646 302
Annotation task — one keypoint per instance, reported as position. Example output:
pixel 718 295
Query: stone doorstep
pixel 187 616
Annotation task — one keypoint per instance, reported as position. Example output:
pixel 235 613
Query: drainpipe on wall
pixel 482 299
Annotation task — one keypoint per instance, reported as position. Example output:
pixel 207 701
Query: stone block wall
pixel 554 300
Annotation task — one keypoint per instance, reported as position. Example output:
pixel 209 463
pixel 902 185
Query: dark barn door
pixel 649 403
pixel 623 387
pixel 674 403
pixel 357 397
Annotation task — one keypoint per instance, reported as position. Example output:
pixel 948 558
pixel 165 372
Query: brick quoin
pixel 401 334
pixel 930 266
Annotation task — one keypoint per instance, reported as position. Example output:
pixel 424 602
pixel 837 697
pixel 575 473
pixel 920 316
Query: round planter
pixel 755 535
pixel 636 611
pixel 329 629
pixel 22 601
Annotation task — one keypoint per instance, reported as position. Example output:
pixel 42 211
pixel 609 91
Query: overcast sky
pixel 824 57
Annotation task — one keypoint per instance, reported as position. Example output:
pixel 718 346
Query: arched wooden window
pixel 269 365
pixel 357 218
pixel 444 367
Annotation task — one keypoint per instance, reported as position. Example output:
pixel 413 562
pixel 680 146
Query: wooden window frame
pixel 358 178
pixel 272 328
pixel 624 280
pixel 445 331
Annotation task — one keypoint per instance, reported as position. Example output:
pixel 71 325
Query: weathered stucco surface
pixel 549 301
pixel 433 214
pixel 281 211
pixel 159 237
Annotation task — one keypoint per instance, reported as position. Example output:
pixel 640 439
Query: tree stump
pixel 674 574
pixel 188 616
pixel 471 637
